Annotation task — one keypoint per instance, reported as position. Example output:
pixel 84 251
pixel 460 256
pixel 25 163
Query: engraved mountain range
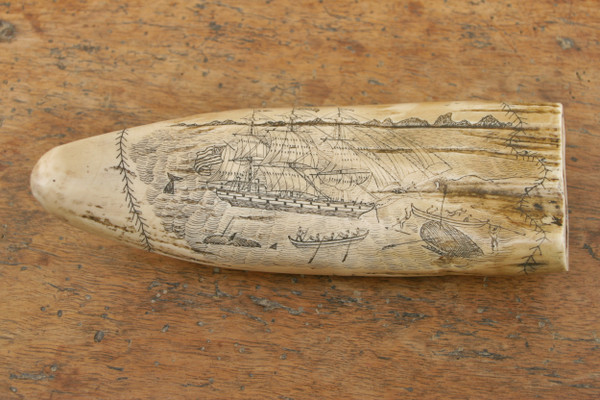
pixel 489 121
pixel 443 121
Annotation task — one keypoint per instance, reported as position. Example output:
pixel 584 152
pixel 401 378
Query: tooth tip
pixel 77 182
pixel 41 181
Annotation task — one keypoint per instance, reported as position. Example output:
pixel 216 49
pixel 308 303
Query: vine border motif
pixel 530 264
pixel 132 202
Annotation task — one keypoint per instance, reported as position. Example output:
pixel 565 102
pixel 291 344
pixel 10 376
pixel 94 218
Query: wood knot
pixel 7 31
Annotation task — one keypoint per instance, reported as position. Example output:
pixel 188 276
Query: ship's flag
pixel 207 158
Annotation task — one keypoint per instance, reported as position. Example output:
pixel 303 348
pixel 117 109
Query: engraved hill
pixel 413 121
pixel 489 121
pixel 447 121
pixel 405 122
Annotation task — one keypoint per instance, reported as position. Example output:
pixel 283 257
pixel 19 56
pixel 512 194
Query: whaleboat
pixel 324 242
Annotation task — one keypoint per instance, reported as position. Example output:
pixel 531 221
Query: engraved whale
pixel 428 188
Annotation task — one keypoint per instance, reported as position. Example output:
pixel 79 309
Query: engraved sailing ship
pixel 309 166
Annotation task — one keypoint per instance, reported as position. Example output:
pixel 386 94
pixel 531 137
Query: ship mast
pixel 251 159
pixel 338 124
pixel 292 117
pixel 294 164
pixel 246 154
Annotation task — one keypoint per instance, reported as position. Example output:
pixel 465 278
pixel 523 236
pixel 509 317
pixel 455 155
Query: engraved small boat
pixel 329 242
pixel 448 241
pixel 450 221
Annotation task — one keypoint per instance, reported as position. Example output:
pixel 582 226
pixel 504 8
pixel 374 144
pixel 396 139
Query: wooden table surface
pixel 84 317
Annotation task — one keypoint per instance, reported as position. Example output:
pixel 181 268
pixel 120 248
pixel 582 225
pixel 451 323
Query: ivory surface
pixel 389 190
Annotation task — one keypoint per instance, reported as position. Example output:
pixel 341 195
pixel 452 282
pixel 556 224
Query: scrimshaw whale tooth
pixel 389 190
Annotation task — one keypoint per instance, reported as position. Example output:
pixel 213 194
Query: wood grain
pixel 83 317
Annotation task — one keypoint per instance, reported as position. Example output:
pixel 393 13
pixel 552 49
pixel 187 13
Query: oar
pixel 347 250
pixel 316 251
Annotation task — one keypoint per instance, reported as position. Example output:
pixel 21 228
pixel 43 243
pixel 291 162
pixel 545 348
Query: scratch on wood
pixel 584 386
pixel 377 355
pixel 273 305
pixel 7 31
pixel 244 313
pixel 98 336
pixel 566 43
pixel 219 292
pixel 557 336
pixel 461 353
pixel 210 382
pixel 32 376
pixel 591 251
pixel 63 289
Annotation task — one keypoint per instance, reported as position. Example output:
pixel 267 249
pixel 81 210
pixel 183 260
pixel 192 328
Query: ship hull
pixel 301 206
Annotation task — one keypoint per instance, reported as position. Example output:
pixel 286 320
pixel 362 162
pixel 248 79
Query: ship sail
pixel 251 146
pixel 291 147
pixel 341 172
pixel 287 181
pixel 343 179
pixel 239 158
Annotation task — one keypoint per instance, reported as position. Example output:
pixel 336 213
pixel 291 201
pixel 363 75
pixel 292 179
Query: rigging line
pixel 350 113
pixel 413 158
pixel 392 178
pixel 417 155
pixel 434 159
pixel 297 160
pixel 330 136
pixel 229 145
pixel 445 189
pixel 379 174
pixel 368 192
pixel 309 181
pixel 312 146
pixel 356 150
pixel 262 116
pixel 409 156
